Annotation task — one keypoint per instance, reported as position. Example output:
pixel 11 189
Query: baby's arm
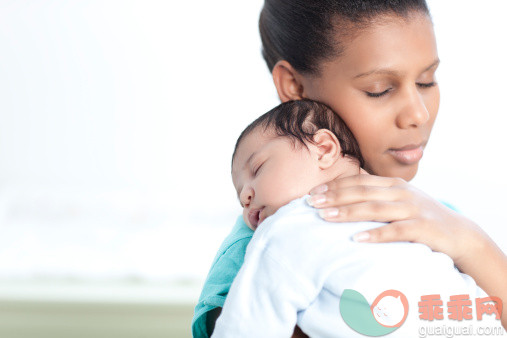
pixel 285 267
pixel 263 300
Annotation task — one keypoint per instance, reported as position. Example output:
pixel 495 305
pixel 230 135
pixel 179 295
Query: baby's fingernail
pixel 319 189
pixel 327 213
pixel 361 237
pixel 315 200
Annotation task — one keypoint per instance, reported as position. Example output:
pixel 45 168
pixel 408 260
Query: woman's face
pixel 384 88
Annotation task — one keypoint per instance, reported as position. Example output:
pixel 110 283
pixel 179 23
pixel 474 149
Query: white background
pixel 118 121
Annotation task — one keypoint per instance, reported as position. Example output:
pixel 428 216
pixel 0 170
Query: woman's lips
pixel 409 154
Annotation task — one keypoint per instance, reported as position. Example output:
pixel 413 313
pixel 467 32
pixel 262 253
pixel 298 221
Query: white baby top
pixel 298 266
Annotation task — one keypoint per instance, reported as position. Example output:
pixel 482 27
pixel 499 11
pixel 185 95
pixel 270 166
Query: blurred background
pixel 117 125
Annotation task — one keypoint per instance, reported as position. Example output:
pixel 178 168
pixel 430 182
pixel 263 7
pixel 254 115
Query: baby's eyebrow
pixel 249 160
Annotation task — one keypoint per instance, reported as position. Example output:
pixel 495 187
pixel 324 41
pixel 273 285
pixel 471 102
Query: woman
pixel 374 63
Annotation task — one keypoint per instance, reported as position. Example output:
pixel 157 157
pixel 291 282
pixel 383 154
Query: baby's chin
pixel 250 226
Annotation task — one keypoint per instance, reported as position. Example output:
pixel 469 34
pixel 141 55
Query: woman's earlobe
pixel 286 82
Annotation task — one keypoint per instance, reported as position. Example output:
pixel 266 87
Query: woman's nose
pixel 246 196
pixel 414 113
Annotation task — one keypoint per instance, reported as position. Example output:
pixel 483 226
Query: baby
pixel 286 152
pixel 300 269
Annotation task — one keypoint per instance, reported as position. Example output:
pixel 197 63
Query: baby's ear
pixel 327 147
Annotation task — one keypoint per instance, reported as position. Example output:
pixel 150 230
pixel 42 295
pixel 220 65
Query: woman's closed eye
pixel 419 84
pixel 379 94
pixel 426 85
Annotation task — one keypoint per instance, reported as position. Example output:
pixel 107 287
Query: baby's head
pixel 288 151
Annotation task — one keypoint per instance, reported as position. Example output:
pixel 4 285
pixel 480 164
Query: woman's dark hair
pixel 300 120
pixel 307 32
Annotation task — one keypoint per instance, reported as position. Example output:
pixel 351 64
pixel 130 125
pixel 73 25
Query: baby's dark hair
pixel 300 120
pixel 306 32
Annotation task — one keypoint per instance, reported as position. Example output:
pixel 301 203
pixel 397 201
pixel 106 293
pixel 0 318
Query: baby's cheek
pixel 290 188
pixel 282 195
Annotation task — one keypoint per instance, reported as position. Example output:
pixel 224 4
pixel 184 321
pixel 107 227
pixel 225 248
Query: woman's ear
pixel 327 148
pixel 287 82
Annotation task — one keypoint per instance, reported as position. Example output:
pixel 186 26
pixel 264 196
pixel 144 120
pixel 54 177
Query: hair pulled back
pixel 304 32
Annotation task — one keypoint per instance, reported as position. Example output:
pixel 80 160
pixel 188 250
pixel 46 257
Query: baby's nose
pixel 247 194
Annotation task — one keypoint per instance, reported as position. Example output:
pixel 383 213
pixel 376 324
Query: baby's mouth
pixel 254 217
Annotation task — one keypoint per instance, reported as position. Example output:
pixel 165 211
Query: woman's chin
pixel 406 172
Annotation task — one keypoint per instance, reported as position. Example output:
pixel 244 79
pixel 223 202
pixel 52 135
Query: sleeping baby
pixel 300 269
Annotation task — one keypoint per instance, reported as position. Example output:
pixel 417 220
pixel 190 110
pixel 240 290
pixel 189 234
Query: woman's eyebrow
pixel 393 72
pixel 377 71
pixel 433 65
